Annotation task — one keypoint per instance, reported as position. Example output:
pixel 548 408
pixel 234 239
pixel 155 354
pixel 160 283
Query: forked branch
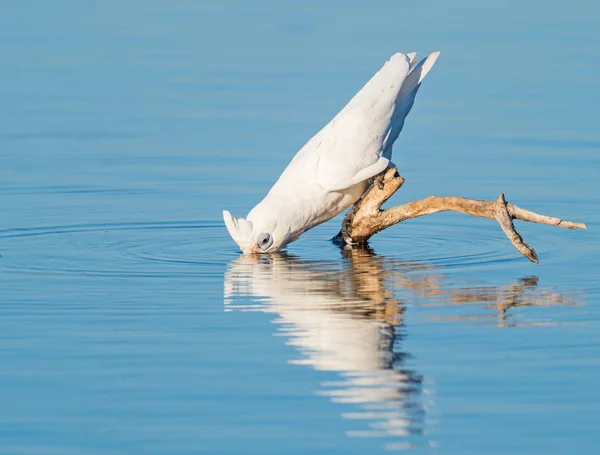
pixel 366 218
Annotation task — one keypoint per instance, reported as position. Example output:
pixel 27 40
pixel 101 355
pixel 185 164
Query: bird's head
pixel 256 234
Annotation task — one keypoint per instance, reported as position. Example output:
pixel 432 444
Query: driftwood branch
pixel 366 218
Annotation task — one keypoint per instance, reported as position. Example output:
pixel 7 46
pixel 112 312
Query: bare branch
pixel 366 218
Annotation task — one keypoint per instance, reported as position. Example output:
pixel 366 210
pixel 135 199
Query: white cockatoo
pixel 332 171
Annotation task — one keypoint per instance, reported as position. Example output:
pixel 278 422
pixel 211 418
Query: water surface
pixel 129 322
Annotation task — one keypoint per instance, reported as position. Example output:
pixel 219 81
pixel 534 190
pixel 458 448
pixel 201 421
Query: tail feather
pixel 411 58
pixel 427 64
pixel 410 86
pixel 417 74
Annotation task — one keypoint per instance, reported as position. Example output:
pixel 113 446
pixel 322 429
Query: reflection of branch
pixel 368 283
pixel 366 218
pixel 517 295
pixel 375 278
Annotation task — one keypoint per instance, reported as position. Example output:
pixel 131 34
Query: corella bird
pixel 333 170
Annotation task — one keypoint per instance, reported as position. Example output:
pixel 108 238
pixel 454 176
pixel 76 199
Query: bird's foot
pixel 378 181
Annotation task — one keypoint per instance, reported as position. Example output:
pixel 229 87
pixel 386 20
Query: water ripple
pixel 142 249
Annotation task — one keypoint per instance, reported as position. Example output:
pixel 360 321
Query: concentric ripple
pixel 173 249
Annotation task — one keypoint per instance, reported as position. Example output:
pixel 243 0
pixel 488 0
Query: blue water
pixel 129 322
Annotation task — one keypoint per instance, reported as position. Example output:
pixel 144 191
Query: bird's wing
pixel 356 144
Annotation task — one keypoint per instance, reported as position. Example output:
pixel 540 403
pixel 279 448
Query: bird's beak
pixel 254 249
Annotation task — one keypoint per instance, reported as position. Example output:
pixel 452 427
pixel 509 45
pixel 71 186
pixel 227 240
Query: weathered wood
pixel 366 218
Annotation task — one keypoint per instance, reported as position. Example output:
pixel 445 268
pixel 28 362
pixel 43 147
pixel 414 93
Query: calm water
pixel 129 323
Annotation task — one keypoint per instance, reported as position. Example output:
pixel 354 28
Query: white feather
pixel 330 172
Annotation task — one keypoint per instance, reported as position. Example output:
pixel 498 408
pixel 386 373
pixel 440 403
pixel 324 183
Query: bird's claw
pixel 379 181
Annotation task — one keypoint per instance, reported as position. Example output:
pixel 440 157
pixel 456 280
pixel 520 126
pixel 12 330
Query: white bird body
pixel 331 172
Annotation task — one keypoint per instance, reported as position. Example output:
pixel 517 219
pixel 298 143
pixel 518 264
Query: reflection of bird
pixel 332 170
pixel 343 320
pixel 343 316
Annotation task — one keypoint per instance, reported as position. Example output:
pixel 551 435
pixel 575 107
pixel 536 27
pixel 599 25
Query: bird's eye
pixel 264 241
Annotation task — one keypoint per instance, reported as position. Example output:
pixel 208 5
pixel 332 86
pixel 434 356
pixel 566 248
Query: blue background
pixel 126 127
